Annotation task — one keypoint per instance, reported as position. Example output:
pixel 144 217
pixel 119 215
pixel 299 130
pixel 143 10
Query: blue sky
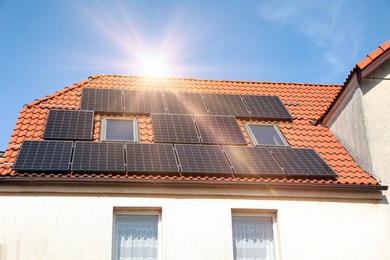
pixel 47 45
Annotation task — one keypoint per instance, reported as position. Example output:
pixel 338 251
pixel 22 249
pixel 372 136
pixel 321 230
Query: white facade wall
pixel 363 121
pixel 64 226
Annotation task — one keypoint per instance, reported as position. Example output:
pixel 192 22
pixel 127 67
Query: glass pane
pixel 253 238
pixel 136 237
pixel 120 130
pixel 266 135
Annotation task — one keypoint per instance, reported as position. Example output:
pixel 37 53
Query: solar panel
pixel 219 130
pixel 101 100
pixel 302 162
pixel 143 102
pixel 44 156
pixel 202 159
pixel 226 105
pixel 252 161
pixel 266 107
pixel 151 158
pixel 97 157
pixel 69 125
pixel 185 103
pixel 174 129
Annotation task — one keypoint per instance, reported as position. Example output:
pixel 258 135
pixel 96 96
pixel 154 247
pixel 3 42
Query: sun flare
pixel 155 65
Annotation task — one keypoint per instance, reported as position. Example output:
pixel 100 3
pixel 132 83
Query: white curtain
pixel 253 238
pixel 136 237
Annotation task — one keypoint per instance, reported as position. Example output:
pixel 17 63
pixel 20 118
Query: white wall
pixel 80 227
pixel 363 123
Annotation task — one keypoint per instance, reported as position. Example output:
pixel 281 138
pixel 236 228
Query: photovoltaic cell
pixel 266 107
pixel 174 129
pixel 302 162
pixel 44 156
pixel 252 161
pixel 226 105
pixel 202 159
pixel 219 130
pixel 101 100
pixel 69 125
pixel 185 103
pixel 143 102
pixel 151 158
pixel 98 157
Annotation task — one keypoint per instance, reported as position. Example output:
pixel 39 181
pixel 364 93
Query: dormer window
pixel 119 129
pixel 265 135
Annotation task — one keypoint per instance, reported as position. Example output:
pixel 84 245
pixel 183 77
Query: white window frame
pixel 253 139
pixel 258 213
pixel 138 212
pixel 103 129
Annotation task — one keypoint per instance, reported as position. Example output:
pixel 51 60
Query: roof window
pixel 119 129
pixel 265 134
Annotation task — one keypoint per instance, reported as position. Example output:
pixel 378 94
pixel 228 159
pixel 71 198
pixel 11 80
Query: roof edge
pixel 364 67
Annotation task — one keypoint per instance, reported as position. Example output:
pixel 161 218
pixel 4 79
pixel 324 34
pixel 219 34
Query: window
pixel 253 237
pixel 135 236
pixel 262 134
pixel 119 129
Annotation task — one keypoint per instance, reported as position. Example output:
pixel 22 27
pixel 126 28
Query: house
pixel 126 167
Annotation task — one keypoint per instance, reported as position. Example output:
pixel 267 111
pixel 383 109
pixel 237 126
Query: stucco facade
pixel 59 222
pixel 363 119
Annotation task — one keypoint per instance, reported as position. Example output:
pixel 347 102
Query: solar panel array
pixel 143 102
pixel 98 157
pixel 69 125
pixel 266 107
pixel 101 100
pixel 146 102
pixel 185 103
pixel 201 159
pixel 219 130
pixel 252 161
pixel 226 105
pixel 151 158
pixel 302 162
pixel 174 129
pixel 44 156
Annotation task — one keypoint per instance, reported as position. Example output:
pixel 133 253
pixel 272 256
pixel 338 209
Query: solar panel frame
pixel 151 158
pixel 69 125
pixel 185 103
pixel 44 156
pixel 219 130
pixel 302 162
pixel 202 159
pixel 266 107
pixel 98 157
pixel 101 100
pixel 252 162
pixel 226 105
pixel 143 102
pixel 172 128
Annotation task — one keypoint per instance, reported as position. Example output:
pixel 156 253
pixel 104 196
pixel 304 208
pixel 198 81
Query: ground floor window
pixel 135 236
pixel 253 237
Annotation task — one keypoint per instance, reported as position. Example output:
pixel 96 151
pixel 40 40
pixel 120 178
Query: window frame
pixel 253 138
pixel 258 213
pixel 103 129
pixel 138 212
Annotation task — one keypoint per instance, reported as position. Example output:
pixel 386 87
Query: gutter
pixel 200 183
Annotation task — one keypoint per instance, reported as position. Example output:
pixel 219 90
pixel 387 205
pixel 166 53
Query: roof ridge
pixel 95 76
pixel 58 92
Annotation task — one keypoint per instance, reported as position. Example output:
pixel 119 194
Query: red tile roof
pixel 373 55
pixel 306 102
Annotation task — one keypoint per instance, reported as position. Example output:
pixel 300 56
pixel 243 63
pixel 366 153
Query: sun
pixel 155 65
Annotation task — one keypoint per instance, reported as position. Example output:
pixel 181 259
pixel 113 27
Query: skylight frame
pixel 256 142
pixel 103 130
